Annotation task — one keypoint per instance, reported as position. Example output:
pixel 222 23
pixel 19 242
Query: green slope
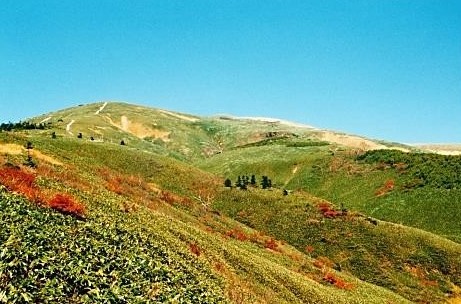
pixel 218 244
pixel 163 249
pixel 341 178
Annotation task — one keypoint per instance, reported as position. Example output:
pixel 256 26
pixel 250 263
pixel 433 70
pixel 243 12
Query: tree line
pixel 244 181
pixel 22 125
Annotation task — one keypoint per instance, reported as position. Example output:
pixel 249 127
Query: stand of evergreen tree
pixel 29 161
pixel 266 182
pixel 243 181
pixel 22 125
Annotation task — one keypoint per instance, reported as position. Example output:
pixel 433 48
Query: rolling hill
pixel 113 202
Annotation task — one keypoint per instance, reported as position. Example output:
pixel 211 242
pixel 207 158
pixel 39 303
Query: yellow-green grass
pixel 153 237
pixel 378 252
pixel 341 179
pixel 145 187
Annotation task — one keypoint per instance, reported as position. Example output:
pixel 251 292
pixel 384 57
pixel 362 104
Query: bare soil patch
pixel 16 149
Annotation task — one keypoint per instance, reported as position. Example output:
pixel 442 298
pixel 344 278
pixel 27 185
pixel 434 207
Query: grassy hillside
pixel 416 264
pixel 147 235
pixel 96 221
pixel 422 193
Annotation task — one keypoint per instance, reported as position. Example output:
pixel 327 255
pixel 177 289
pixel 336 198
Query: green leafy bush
pixel 46 257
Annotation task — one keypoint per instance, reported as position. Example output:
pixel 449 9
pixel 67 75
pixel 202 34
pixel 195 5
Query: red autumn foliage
pixel 336 281
pixel 309 249
pixel 271 244
pixel 123 184
pixel 237 234
pixel 323 207
pixel 431 283
pixel 113 184
pixel 20 181
pixel 327 210
pixel 67 205
pixel 195 249
pixel 167 197
pixel 388 186
pixel 220 267
pixel 323 262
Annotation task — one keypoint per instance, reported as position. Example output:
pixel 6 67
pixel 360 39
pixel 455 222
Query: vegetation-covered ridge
pixel 49 257
pixel 89 220
pixel 419 169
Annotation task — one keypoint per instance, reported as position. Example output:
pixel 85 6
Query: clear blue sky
pixel 387 69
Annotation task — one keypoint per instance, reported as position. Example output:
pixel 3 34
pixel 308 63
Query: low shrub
pixel 67 205
pixel 271 244
pixel 195 249
pixel 328 211
pixel 20 181
pixel 337 282
pixel 388 186
pixel 237 234
pixel 167 197
pixel 323 262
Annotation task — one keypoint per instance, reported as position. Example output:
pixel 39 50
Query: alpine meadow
pixel 112 202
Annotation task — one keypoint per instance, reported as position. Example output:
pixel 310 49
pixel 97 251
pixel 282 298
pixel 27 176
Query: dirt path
pixel 45 120
pixel 191 119
pixel 101 108
pixel 68 127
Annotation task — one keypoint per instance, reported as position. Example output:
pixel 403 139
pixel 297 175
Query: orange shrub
pixel 388 186
pixel 66 205
pixel 327 210
pixel 309 249
pixel 431 283
pixel 167 197
pixel 113 184
pixel 323 262
pixel 238 234
pixel 324 207
pixel 195 249
pixel 271 244
pixel 22 182
pixel 220 267
pixel 336 281
pixel 123 184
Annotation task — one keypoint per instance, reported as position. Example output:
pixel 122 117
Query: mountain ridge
pixel 340 138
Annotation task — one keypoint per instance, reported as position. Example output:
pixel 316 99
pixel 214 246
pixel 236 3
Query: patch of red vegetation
pixel 323 262
pixel 271 244
pixel 337 282
pixel 309 249
pixel 122 184
pixel 257 238
pixel 220 267
pixel 237 234
pixel 195 249
pixel 167 197
pixel 388 186
pixel 328 211
pixel 67 205
pixel 430 283
pixel 22 182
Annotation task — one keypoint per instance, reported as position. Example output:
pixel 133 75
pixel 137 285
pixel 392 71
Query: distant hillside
pixel 112 202
pixel 189 136
pixel 445 149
